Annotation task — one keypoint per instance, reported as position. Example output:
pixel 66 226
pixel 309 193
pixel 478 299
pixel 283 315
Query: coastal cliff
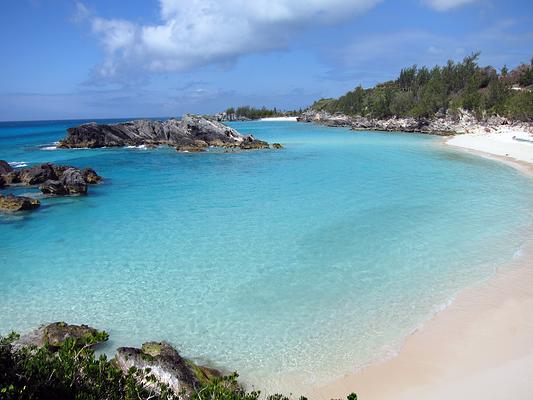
pixel 191 133
pixel 447 124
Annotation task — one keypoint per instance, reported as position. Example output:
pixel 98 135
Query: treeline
pixel 247 112
pixel 423 92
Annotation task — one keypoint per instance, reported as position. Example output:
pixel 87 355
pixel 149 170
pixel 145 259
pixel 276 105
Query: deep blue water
pixel 291 266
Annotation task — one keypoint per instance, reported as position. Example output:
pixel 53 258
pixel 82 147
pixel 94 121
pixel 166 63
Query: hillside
pixel 421 92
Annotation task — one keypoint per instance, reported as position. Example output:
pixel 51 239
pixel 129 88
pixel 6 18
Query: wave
pixel 142 147
pixel 54 147
pixel 18 164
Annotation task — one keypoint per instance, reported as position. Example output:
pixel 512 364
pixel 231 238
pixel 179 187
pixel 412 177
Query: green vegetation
pixel 256 113
pixel 422 92
pixel 71 371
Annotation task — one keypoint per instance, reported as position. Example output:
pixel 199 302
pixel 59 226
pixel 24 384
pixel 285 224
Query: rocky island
pixel 192 133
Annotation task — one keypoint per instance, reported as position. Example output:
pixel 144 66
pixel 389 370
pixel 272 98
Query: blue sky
pixel 65 59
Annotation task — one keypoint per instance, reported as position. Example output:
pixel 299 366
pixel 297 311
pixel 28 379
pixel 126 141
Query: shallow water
pixel 292 267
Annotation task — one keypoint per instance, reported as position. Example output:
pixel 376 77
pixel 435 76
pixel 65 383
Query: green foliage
pixel 73 372
pixel 256 113
pixel 421 92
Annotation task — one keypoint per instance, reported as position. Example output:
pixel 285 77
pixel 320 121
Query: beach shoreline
pixel 278 119
pixel 481 345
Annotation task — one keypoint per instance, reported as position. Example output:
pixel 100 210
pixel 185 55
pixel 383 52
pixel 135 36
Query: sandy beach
pixel 481 346
pixel 293 119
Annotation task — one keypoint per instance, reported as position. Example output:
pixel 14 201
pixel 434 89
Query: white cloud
pixel 195 33
pixel 445 5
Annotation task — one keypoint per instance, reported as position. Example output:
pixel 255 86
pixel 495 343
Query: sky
pixel 68 59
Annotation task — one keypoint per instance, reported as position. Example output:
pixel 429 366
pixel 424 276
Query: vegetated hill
pixel 422 92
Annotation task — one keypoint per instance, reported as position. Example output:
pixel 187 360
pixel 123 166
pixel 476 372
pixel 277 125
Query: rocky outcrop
pixel 5 168
pixel 56 333
pixel 37 174
pixel 159 363
pixel 191 133
pixel 11 203
pixel 55 180
pixel 444 124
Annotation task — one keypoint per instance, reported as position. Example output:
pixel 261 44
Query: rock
pixel 277 146
pixel 250 143
pixel 56 333
pixel 73 181
pixel 54 188
pixel 5 167
pixel 90 176
pixel 12 177
pixel 193 146
pixel 184 133
pixel 2 181
pixel 17 203
pixel 167 367
pixel 38 174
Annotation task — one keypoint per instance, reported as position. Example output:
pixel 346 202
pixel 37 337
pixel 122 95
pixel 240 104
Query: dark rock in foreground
pixel 165 365
pixel 55 180
pixel 55 334
pixel 13 203
pixel 191 133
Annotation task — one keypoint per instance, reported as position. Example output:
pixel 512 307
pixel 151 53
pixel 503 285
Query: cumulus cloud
pixel 445 5
pixel 195 33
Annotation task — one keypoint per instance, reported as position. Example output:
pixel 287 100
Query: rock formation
pixel 165 365
pixel 56 180
pixel 191 133
pixel 12 203
pixel 56 333
pixel 443 124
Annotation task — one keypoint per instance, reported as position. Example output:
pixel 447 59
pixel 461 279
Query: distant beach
pixel 278 119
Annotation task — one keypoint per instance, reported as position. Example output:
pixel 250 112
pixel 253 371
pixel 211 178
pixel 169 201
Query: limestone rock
pixel 13 203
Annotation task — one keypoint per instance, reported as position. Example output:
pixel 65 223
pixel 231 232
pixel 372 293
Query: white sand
pixel 279 119
pixel 501 143
pixel 481 346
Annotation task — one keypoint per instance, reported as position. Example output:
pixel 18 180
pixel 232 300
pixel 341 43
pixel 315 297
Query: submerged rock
pixel 56 333
pixel 250 143
pixel 13 203
pixel 192 132
pixel 161 361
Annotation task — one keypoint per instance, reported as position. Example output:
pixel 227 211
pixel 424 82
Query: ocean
pixel 292 267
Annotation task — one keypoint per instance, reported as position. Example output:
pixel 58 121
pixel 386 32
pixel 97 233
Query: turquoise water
pixel 292 267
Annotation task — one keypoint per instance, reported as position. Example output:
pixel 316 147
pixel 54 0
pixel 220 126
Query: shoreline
pixel 480 346
pixel 272 119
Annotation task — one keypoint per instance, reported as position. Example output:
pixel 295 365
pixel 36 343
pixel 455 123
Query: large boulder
pixel 5 167
pixel 13 203
pixel 37 174
pixel 73 181
pixel 55 334
pixel 161 361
